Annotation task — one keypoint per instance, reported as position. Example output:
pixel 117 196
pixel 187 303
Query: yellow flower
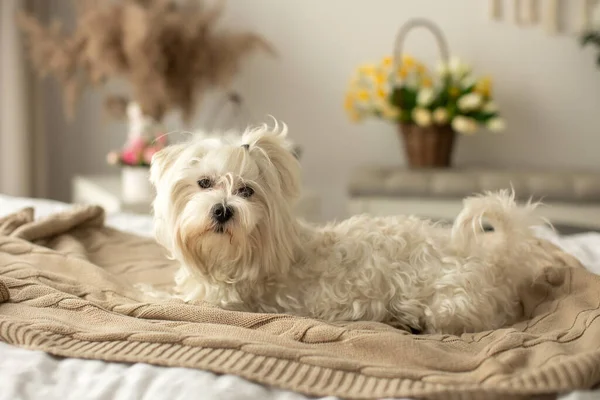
pixel 484 87
pixel 454 91
pixel 421 69
pixel 363 95
pixel 387 61
pixel 381 93
pixel 408 61
pixel 403 72
pixel 427 82
pixel 368 69
pixel 389 111
pixel 349 102
pixel 380 77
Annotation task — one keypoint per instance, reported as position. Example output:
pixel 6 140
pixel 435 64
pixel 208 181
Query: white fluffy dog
pixel 224 210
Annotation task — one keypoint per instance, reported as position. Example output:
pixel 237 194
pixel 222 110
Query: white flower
pixel 387 87
pixel 490 107
pixel 422 117
pixel 425 97
pixel 412 81
pixel 443 69
pixel 458 69
pixel 470 102
pixel 467 82
pixel 465 125
pixel 440 116
pixel 456 66
pixel 496 124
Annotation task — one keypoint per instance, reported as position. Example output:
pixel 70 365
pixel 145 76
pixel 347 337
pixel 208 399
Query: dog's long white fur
pixel 400 270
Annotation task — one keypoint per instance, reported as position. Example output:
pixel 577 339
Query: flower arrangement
pixel 138 153
pixel 145 138
pixel 171 52
pixel 411 94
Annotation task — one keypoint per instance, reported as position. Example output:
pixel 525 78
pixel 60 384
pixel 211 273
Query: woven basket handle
pixel 409 26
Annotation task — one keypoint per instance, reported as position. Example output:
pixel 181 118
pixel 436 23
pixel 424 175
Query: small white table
pixel 105 191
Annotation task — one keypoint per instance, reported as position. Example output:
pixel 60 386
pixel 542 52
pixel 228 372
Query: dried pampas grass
pixel 170 52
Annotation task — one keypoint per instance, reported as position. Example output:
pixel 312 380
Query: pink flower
pixel 138 143
pixel 131 156
pixel 148 153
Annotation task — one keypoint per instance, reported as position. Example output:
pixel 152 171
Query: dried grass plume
pixel 170 52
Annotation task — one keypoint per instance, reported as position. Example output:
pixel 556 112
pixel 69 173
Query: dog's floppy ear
pixel 163 160
pixel 278 153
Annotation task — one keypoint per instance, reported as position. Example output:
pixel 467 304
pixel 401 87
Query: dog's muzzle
pixel 221 213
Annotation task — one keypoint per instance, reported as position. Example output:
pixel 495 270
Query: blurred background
pixel 545 84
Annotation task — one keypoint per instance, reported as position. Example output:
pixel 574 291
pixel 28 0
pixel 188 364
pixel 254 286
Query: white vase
pixel 135 185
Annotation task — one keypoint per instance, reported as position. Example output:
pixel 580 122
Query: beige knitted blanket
pixel 66 289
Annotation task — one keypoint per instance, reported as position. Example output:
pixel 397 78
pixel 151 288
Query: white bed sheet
pixel 27 374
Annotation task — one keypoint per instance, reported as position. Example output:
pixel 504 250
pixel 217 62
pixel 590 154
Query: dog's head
pixel 222 202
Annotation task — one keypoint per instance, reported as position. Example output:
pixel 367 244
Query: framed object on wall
pixel 556 16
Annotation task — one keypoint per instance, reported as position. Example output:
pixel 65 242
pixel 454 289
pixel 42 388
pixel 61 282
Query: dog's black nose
pixel 221 213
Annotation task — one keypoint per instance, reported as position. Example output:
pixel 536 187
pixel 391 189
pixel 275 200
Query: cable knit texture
pixel 66 288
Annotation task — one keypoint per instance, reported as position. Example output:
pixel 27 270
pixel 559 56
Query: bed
pixel 27 374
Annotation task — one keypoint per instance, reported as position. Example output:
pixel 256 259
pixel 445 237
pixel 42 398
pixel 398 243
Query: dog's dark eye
pixel 245 191
pixel 205 183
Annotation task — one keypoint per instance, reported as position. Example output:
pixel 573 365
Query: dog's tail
pixel 510 222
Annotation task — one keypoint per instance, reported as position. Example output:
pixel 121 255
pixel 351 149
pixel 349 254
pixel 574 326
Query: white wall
pixel 547 86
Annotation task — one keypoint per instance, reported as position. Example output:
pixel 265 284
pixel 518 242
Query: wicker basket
pixel 425 147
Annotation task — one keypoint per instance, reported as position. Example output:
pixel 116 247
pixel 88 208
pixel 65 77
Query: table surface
pixel 562 185
pixel 110 183
pixel 105 191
